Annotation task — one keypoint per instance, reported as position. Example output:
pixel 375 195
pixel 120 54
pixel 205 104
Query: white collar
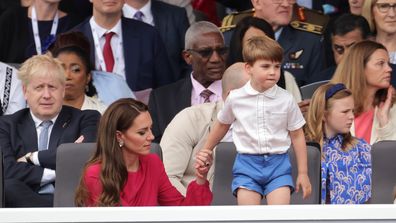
pixel 128 12
pixel 270 93
pixel 117 29
pixel 37 121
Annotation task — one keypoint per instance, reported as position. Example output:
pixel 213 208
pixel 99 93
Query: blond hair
pixel 367 12
pixel 319 106
pixel 262 48
pixel 41 66
pixel 351 71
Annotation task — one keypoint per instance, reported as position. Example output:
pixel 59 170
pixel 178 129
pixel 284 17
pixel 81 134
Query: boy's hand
pixel 203 161
pixel 303 182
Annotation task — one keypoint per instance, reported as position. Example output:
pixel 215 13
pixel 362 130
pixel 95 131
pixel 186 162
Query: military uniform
pixel 301 41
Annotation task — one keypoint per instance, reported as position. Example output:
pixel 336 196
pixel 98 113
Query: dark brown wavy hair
pixel 119 116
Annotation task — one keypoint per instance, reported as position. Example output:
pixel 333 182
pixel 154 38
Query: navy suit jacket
pixel 303 54
pixel 146 61
pixel 165 102
pixel 172 23
pixel 18 136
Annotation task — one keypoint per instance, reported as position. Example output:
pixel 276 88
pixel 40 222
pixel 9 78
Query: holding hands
pixel 203 162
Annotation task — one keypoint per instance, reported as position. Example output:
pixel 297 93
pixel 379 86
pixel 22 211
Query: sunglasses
pixel 341 49
pixel 208 52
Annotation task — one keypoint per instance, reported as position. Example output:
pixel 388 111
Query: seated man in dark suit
pixel 127 47
pixel 172 23
pixel 205 51
pixel 29 138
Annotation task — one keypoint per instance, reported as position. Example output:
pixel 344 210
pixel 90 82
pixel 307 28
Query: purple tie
pixel 205 94
pixel 138 16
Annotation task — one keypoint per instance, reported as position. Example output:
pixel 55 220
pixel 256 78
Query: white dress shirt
pixel 48 174
pixel 261 121
pixel 116 46
pixel 128 12
pixel 16 99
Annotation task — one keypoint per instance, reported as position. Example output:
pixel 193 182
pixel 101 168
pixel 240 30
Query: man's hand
pixel 80 139
pixel 304 105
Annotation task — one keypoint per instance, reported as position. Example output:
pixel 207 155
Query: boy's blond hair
pixel 261 48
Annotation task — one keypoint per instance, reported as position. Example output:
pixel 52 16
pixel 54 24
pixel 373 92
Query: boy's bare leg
pixel 279 196
pixel 248 197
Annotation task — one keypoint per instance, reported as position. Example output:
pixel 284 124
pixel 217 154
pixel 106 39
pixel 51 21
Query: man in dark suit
pixel 303 50
pixel 205 51
pixel 127 47
pixel 171 22
pixel 29 138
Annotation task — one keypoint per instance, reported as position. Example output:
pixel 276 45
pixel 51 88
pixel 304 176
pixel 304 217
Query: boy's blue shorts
pixel 262 173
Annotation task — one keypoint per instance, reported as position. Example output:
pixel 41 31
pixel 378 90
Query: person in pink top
pixel 122 171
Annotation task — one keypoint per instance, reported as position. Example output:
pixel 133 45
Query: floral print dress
pixel 346 175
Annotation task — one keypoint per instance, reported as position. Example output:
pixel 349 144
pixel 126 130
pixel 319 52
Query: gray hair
pixel 197 29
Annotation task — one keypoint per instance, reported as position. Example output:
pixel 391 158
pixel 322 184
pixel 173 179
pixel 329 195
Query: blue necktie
pixel 138 16
pixel 43 137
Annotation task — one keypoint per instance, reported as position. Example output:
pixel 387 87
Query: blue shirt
pixel 346 175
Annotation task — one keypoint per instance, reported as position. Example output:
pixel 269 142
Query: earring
pixel 120 144
pixel 86 88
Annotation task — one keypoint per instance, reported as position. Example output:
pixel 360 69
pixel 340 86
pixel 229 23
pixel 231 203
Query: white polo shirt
pixel 261 121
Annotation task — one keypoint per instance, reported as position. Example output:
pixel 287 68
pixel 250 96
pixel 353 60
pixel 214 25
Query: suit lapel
pixel 286 38
pixel 27 132
pixel 185 93
pixel 131 46
pixel 60 125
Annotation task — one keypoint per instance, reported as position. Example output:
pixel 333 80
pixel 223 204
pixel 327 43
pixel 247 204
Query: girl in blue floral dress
pixel 346 160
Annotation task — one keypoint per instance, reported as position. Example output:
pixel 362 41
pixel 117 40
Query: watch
pixel 28 158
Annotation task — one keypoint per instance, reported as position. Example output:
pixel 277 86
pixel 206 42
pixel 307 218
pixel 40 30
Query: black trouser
pixel 18 194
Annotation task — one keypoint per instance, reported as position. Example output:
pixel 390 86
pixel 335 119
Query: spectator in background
pixel 366 72
pixel 205 51
pixel 345 31
pixel 30 31
pixel 188 131
pixel 303 50
pixel 30 137
pixel 252 26
pixel 122 171
pixel 72 49
pixel 381 16
pixel 126 47
pixel 11 94
pixel 356 6
pixel 185 4
pixel 329 121
pixel 170 21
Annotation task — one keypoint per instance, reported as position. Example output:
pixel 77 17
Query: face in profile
pixel 44 95
pixel 339 117
pixel 356 6
pixel 138 137
pixel 207 58
pixel 377 70
pixel 275 12
pixel 264 74
pixel 341 44
pixel 77 76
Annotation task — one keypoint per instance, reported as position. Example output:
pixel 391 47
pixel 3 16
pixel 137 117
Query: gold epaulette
pixel 231 20
pixel 309 20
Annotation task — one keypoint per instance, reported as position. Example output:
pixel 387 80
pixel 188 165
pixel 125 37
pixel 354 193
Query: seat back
pixel 383 155
pixel 308 90
pixel 1 181
pixel 156 148
pixel 70 161
pixel 224 160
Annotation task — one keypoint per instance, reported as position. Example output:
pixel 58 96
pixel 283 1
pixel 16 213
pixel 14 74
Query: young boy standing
pixel 265 120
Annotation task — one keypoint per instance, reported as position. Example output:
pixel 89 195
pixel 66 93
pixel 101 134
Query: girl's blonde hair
pixel 319 106
pixel 367 12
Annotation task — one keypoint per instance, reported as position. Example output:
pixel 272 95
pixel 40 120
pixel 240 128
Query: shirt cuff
pixel 48 176
pixel 35 159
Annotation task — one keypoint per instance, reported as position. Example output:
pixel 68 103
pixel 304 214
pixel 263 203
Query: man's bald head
pixel 234 77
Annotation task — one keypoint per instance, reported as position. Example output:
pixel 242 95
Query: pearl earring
pixel 120 144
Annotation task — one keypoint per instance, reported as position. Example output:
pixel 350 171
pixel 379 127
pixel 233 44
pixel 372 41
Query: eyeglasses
pixel 384 7
pixel 280 1
pixel 341 49
pixel 208 52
